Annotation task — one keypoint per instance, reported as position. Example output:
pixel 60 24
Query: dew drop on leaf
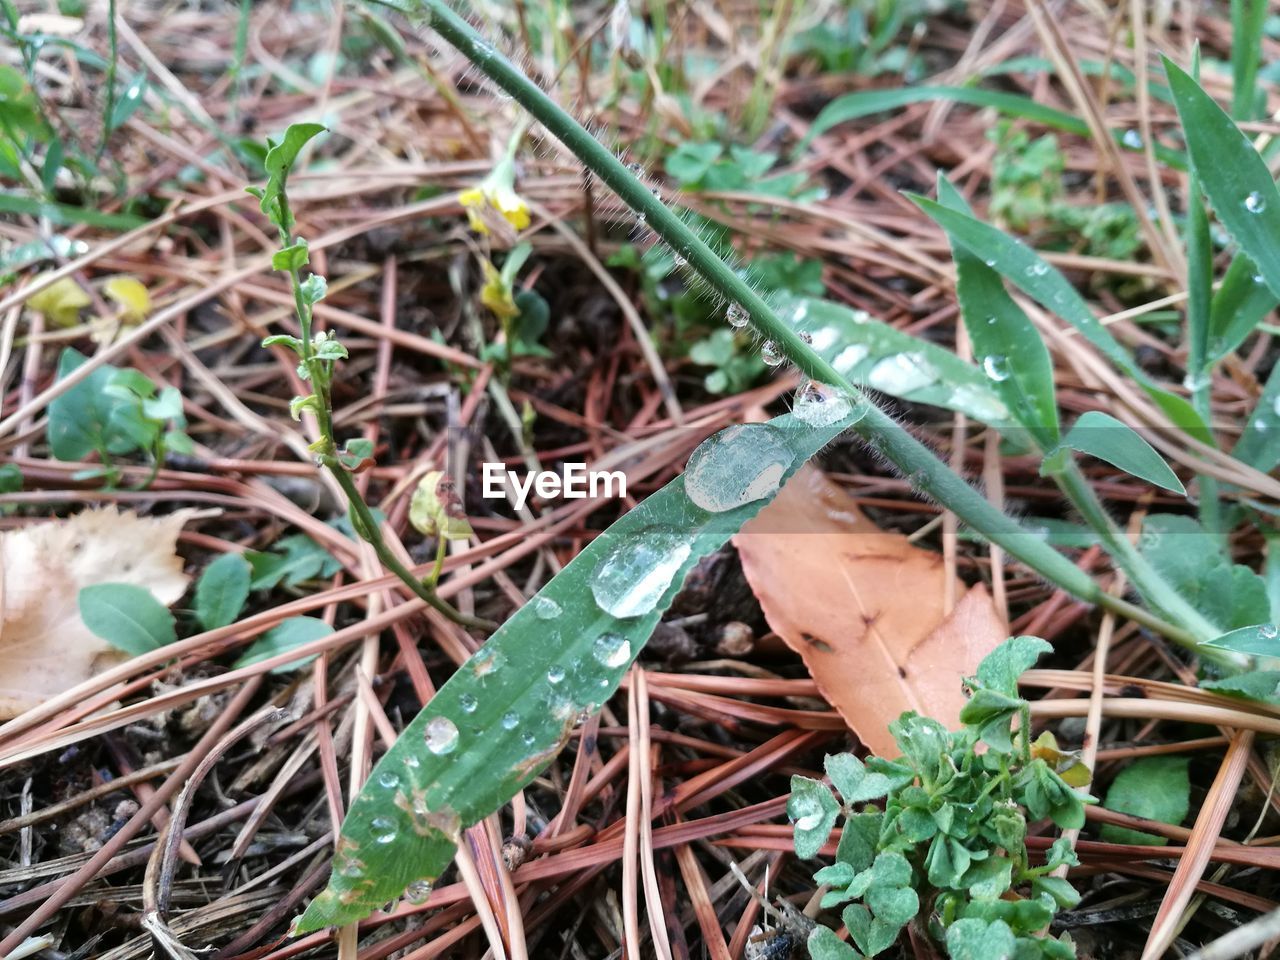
pixel 509 720
pixel 468 703
pixel 736 316
pixel 1269 631
pixel 995 367
pixel 1132 139
pixel 418 891
pixel 555 674
pixel 901 373
pixel 384 829
pixel 388 780
pixel 820 406
pixel 544 608
pixel 1255 202
pixel 738 465
pixel 634 575
pixel 611 650
pixel 442 735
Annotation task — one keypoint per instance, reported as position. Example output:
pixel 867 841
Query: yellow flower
pixel 495 194
pixel 496 294
pixel 131 296
pixel 60 303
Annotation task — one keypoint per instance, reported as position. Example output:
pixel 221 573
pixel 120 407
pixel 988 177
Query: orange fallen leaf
pixel 45 648
pixel 864 609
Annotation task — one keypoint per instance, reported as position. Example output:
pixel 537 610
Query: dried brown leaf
pixel 864 608
pixel 45 648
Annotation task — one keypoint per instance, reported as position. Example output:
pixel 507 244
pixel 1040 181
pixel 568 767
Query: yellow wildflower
pixel 60 303
pixel 496 294
pixel 130 296
pixel 495 194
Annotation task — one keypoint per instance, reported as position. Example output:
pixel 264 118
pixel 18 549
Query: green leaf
pixel 10 478
pixel 1258 640
pixel 868 351
pixel 1234 176
pixel 1248 18
pixel 853 780
pixel 222 591
pixel 1263 685
pixel 689 162
pixel 88 418
pixel 1103 436
pixel 858 839
pixel 1259 445
pixel 504 714
pixel 1001 668
pixel 314 289
pixel 127 617
pixel 291 561
pixel 812 811
pixel 1156 788
pixel 285 340
pixel 1012 353
pixel 988 878
pixel 279 161
pixel 1059 888
pixel 293 257
pixel 128 102
pixel 823 944
pixel 1045 284
pixel 1238 306
pixel 64 213
pixel 973 939
pixel 288 635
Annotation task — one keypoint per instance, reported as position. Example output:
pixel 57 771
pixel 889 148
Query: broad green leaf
pixel 812 811
pixel 292 560
pixel 1001 668
pixel 1260 639
pixel 293 257
pixel 871 352
pixel 1238 306
pixel 1156 788
pixel 504 714
pixel 1103 436
pixel 1011 351
pixel 222 591
pixel 286 636
pixel 1234 176
pixel 1259 444
pixel 1045 284
pixel 88 417
pixel 1263 685
pixel 823 944
pixel 974 939
pixel 127 617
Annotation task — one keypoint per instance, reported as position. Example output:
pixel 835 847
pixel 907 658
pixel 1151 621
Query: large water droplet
pixel 636 573
pixel 979 403
pixel 736 316
pixel 1255 202
pixel 384 829
pixel 442 735
pixel 770 354
pixel 544 608
pixel 850 357
pixel 995 367
pixel 418 891
pixel 808 813
pixel 901 373
pixel 738 465
pixel 820 406
pixel 611 649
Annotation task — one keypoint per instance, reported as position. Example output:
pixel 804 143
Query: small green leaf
pixel 284 339
pixel 1103 436
pixel 10 478
pixel 127 617
pixel 1263 685
pixel 823 944
pixel 1001 668
pixel 812 811
pixel 988 878
pixel 288 635
pixel 1059 888
pixel 852 779
pixel 330 349
pixel 314 289
pixel 293 257
pixel 1262 640
pixel 973 939
pixel 128 102
pixel 278 162
pixel 222 591
pixel 1156 788
pixel 858 839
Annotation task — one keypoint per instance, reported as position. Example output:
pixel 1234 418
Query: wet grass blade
pixel 1233 175
pixel 1259 445
pixel 868 351
pixel 508 710
pixel 1247 18
pixel 1045 284
pixel 1011 351
pixel 1239 304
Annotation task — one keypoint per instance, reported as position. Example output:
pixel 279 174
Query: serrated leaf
pixel 1004 338
pixel 1156 788
pixel 504 714
pixel 1233 174
pixel 222 591
pixel 286 636
pixel 1103 436
pixel 127 617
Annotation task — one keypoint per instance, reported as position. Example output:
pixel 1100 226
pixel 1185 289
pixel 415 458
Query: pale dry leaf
pixel 864 608
pixel 45 648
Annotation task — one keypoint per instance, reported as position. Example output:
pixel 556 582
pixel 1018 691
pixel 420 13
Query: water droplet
pixel 634 575
pixel 388 780
pixel 468 703
pixel 1037 269
pixel 544 608
pixel 680 261
pixel 1132 139
pixel 979 404
pixel 1260 426
pixel 807 813
pixel 1269 631
pixel 990 262
pixel 1258 279
pixel 860 316
pixel 995 367
pixel 1255 202
pixel 486 662
pixel 736 316
pixel 527 738
pixel 442 735
pixel 411 762
pixel 384 829
pixel 850 357
pixel 991 321
pixel 820 406
pixel 738 465
pixel 770 354
pixel 418 891
pixel 555 674
pixel 611 650
pixel 510 719
pixel 901 373
pixel 807 338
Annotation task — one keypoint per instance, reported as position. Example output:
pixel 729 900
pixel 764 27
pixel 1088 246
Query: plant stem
pixel 922 468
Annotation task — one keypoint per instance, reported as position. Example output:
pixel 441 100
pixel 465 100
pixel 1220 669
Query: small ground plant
pixel 946 848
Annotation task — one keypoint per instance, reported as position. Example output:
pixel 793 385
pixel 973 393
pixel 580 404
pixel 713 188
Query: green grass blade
pixel 1010 348
pixel 63 213
pixel 1247 18
pixel 1259 445
pixel 1239 304
pixel 1232 173
pixel 1045 284
pixel 508 710
pixel 868 351
pixel 1103 436
pixel 1199 284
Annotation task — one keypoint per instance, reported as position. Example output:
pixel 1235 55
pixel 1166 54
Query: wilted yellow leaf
pixel 60 303
pixel 45 648
pixel 436 508
pixel 131 296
